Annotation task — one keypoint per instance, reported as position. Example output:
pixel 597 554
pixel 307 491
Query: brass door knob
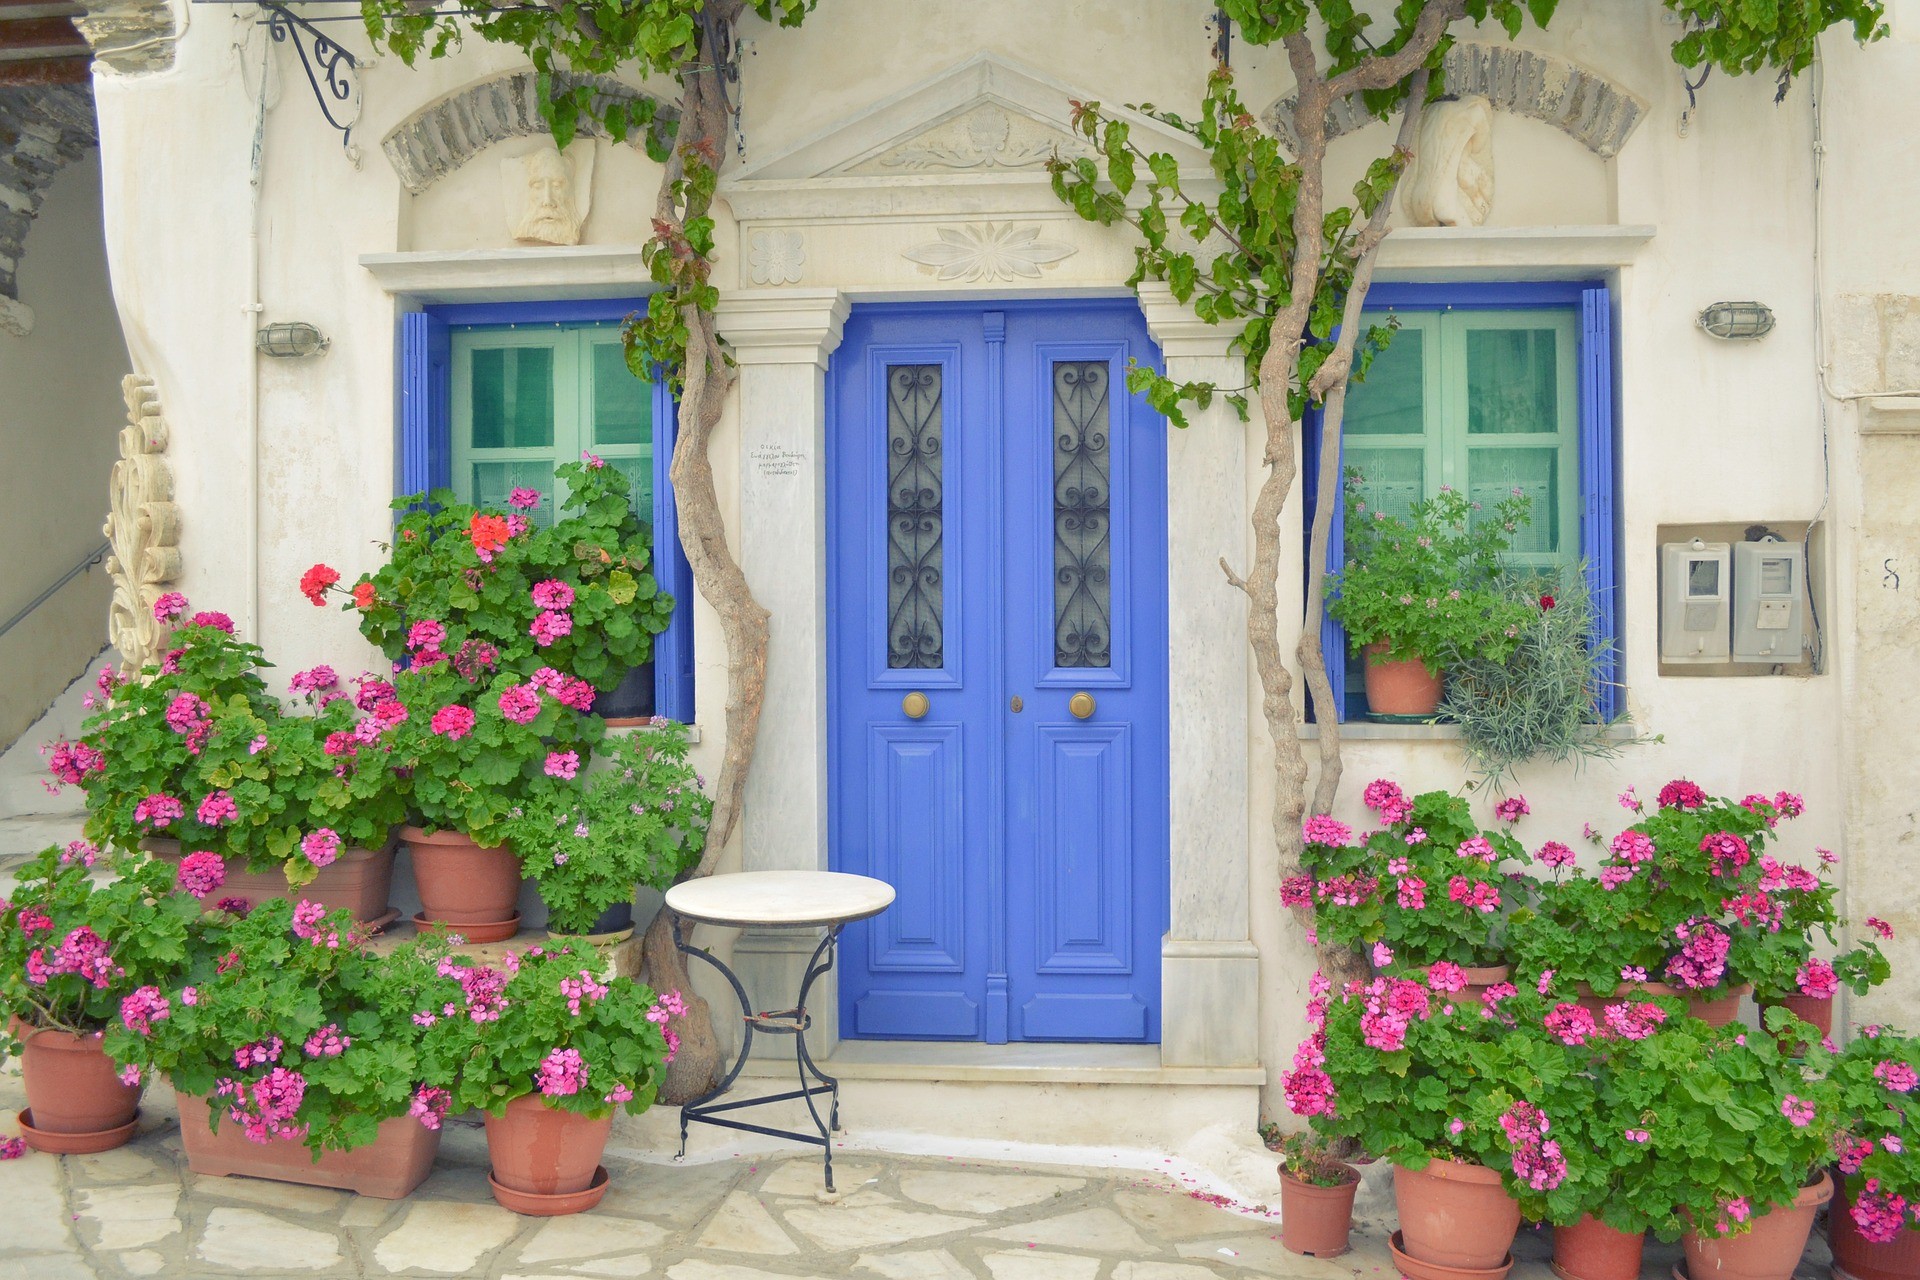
pixel 1081 704
pixel 914 705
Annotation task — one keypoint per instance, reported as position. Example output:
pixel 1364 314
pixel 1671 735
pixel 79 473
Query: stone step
pixel 23 770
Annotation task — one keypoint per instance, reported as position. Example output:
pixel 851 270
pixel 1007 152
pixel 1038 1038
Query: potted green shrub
pixel 294 1054
pixel 1419 593
pixel 578 597
pixel 79 955
pixel 638 818
pixel 1443 1089
pixel 1428 886
pixel 1874 1225
pixel 550 1051
pixel 1794 904
pixel 1316 1195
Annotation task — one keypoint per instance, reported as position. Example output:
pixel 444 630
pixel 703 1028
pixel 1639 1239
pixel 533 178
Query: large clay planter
pixel 1592 1250
pixel 72 1086
pixel 1315 1220
pixel 389 1168
pixel 1769 1249
pixel 535 1148
pixel 1717 1011
pixel 359 880
pixel 460 882
pixel 1857 1258
pixel 1405 688
pixel 1455 1215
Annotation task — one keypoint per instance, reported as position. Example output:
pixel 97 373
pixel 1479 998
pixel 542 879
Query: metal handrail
pixel 87 562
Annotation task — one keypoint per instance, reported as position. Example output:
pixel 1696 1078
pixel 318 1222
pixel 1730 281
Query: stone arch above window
pixel 442 136
pixel 1594 111
pixel 42 129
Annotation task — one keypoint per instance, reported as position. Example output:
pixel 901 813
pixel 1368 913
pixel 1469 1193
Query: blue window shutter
pixel 1597 537
pixel 1333 636
pixel 426 391
pixel 672 648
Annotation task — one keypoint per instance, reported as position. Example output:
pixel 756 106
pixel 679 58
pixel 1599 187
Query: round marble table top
pixel 794 898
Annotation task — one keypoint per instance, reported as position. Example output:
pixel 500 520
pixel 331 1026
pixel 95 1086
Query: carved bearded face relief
pixel 1450 183
pixel 548 194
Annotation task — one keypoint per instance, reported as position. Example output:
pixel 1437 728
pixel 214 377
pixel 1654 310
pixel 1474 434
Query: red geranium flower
pixel 315 581
pixel 489 534
pixel 363 597
pixel 1546 602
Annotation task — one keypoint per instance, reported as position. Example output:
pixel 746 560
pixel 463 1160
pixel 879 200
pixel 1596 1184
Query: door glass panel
pixel 1082 515
pixel 494 481
pixel 1391 480
pixel 915 555
pixel 622 405
pixel 513 398
pixel 1494 475
pixel 1392 401
pixel 1512 381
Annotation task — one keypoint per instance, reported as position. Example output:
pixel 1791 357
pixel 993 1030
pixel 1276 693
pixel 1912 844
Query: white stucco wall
pixel 60 419
pixel 1711 431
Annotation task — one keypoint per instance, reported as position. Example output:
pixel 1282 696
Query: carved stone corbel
pixel 143 527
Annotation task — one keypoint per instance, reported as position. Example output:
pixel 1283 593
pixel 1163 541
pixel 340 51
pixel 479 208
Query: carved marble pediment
pixel 988 116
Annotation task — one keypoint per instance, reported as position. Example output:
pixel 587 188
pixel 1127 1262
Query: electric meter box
pixel 1695 589
pixel 1769 601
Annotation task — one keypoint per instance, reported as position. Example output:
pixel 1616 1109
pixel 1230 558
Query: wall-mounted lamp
pixel 296 338
pixel 1737 320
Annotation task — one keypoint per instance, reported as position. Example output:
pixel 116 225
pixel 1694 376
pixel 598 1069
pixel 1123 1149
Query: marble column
pixel 1210 971
pixel 781 339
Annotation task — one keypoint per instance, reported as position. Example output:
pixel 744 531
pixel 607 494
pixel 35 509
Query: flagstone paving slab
pixel 743 1225
pixel 446 1236
pixel 1037 1265
pixel 983 1192
pixel 589 1236
pixel 124 1217
pixel 252 1241
pixel 931 1264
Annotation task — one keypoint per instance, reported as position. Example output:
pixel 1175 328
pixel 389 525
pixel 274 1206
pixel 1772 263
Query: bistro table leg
pixel 794 1022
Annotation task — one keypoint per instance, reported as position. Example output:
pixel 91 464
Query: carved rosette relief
pixel 143 527
pixel 981 252
pixel 776 257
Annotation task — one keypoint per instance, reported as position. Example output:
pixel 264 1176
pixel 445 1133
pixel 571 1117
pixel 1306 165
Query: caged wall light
pixel 1737 320
pixel 291 338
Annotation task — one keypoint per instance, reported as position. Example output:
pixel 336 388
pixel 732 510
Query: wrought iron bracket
pixel 331 69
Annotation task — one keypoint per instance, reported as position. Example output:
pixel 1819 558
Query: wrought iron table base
pixel 784 1022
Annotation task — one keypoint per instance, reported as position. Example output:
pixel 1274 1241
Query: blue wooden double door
pixel 997 719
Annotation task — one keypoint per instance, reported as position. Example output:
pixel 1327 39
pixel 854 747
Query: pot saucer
pixel 1414 1269
pixel 75 1144
pixel 491 931
pixel 534 1205
pixel 380 922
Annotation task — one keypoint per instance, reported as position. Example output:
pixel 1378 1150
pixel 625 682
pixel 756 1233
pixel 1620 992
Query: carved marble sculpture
pixel 1450 183
pixel 143 526
pixel 548 194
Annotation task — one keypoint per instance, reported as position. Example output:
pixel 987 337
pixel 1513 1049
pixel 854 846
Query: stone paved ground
pixel 138 1212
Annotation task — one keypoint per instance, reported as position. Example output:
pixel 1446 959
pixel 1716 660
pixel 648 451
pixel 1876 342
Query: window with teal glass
pixel 529 398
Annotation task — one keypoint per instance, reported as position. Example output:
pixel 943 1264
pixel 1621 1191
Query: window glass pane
pixel 1512 381
pixel 639 474
pixel 1392 401
pixel 1391 480
pixel 1495 473
pixel 493 481
pixel 915 556
pixel 622 404
pixel 513 398
pixel 1082 515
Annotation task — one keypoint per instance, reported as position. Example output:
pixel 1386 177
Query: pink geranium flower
pixel 562 764
pixel 453 722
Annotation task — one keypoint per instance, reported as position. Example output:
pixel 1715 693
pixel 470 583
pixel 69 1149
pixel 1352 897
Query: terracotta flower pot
pixel 1716 1011
pixel 1769 1249
pixel 461 883
pixel 359 880
pixel 1478 980
pixel 1404 688
pixel 1592 1250
pixel 1315 1220
pixel 1809 1009
pixel 1455 1215
pixel 1857 1258
pixel 535 1148
pixel 72 1086
pixel 389 1168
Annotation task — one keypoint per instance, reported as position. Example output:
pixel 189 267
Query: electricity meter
pixel 1769 601
pixel 1695 578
